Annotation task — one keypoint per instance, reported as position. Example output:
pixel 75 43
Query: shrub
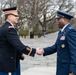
pixel 38 32
pixel 23 32
pixel 49 31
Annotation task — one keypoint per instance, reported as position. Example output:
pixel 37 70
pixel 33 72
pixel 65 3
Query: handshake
pixel 39 51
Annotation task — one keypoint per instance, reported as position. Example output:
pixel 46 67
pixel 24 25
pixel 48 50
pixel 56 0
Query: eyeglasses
pixel 14 15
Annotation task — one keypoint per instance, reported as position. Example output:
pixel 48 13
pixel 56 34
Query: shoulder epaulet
pixel 11 27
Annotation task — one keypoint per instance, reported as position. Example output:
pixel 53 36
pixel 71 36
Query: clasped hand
pixel 39 51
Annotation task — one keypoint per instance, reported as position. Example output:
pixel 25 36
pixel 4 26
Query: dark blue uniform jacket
pixel 9 46
pixel 65 47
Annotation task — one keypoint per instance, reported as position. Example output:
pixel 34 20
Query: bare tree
pixel 38 12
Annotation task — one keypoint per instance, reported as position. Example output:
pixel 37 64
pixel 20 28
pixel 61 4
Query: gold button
pixel 62 45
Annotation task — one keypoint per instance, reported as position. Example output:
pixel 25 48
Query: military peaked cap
pixel 8 9
pixel 62 14
pixel 12 10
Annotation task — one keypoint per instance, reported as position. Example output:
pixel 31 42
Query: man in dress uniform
pixel 65 45
pixel 11 48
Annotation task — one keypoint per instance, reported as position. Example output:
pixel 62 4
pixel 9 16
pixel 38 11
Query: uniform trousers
pixel 18 69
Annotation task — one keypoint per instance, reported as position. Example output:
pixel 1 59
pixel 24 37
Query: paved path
pixel 39 63
pixel 40 71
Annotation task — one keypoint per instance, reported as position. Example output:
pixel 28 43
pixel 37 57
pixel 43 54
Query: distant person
pixel 32 34
pixel 65 45
pixel 11 48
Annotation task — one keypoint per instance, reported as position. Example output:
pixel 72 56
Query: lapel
pixel 66 29
pixel 61 35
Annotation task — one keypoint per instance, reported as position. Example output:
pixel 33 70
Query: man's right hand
pixel 39 51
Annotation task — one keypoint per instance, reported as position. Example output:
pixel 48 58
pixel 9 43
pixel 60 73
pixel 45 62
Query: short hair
pixel 6 16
